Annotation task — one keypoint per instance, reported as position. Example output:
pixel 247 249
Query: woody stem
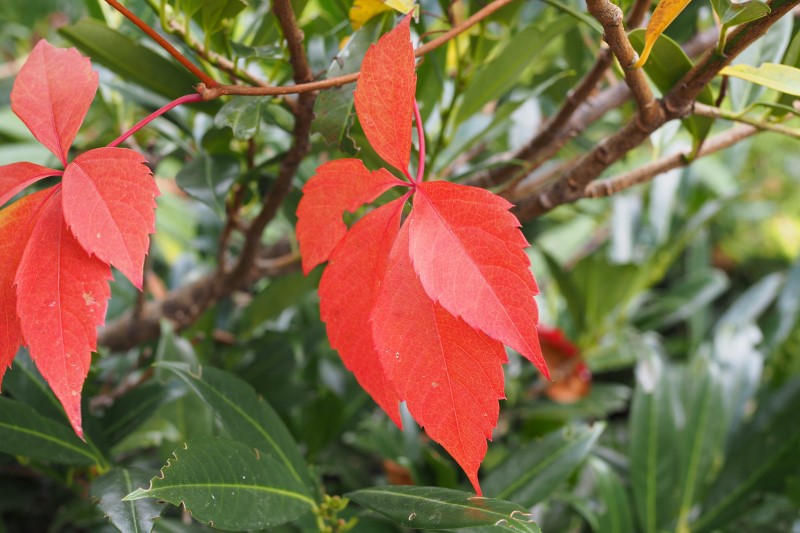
pixel 189 98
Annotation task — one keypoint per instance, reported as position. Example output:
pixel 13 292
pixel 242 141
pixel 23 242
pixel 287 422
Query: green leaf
pixel 532 473
pixel 435 508
pixel 28 387
pixel 739 13
pixel 135 407
pixel 682 299
pixel 229 485
pixel 782 78
pixel 215 13
pixel 25 432
pixel 208 178
pixel 501 72
pixel 257 52
pixel 334 107
pixel 604 286
pixel 762 454
pixel 280 294
pixel 580 15
pixel 244 415
pixel 131 61
pixel 614 513
pixel 127 517
pixel 668 63
pixel 243 115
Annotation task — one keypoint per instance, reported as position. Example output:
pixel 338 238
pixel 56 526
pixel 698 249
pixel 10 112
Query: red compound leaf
pixel 52 93
pixel 109 198
pixel 17 176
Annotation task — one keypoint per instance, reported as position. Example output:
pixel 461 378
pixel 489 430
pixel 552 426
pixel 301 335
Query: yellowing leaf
pixel 664 14
pixel 363 10
pixel 782 78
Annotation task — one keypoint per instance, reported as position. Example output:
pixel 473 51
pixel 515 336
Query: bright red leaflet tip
pixel 338 186
pixel 15 227
pixel 52 93
pixel 62 295
pixel 469 254
pixel 384 95
pixel 348 291
pixel 449 374
pixel 109 200
pixel 17 176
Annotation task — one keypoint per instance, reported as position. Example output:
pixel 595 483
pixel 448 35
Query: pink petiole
pixel 187 99
pixel 421 139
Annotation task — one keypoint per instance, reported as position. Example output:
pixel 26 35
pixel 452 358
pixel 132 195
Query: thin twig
pixel 647 172
pixel 704 110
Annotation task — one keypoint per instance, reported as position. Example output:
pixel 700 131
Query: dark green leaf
pixel 214 13
pixel 531 474
pixel 280 294
pixel 27 433
pixel 614 513
pixel 435 508
pixel 243 115
pixel 739 13
pixel 229 485
pixel 28 387
pixel 134 408
pixel 127 517
pixel 246 417
pixel 682 299
pixel 208 179
pixel 257 52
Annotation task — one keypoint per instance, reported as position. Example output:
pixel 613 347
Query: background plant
pixel 681 297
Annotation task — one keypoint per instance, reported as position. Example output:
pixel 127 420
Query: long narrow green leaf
pixel 614 513
pixel 229 485
pixel 27 433
pixel 532 473
pixel 246 417
pixel 131 516
pixel 436 508
pixel 782 78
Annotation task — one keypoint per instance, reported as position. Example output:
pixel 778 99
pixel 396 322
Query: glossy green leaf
pixel 782 78
pixel 741 12
pixel 131 516
pixel 532 473
pixel 243 115
pixel 667 64
pixel 502 71
pixel 333 108
pixel 246 417
pixel 229 485
pixel 614 512
pixel 761 455
pixel 135 407
pixel 130 60
pixel 208 178
pixel 28 387
pixel 435 508
pixel 25 432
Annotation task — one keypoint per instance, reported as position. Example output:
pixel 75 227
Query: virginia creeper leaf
pixel 109 197
pixel 17 176
pixel 338 186
pixel 52 93
pixel 384 96
pixel 15 227
pixel 469 254
pixel 448 373
pixel 665 12
pixel 62 295
pixel 348 291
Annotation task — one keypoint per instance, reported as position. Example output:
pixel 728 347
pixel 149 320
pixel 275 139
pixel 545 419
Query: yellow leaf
pixel 363 10
pixel 783 78
pixel 664 14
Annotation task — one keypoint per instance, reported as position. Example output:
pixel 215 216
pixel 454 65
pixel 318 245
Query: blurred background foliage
pixel 671 309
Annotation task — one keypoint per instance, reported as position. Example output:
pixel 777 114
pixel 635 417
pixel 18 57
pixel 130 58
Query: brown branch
pixel 647 172
pixel 182 59
pixel 676 104
pixel 610 16
pixel 211 92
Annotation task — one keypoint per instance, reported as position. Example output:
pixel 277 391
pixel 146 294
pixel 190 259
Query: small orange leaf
pixel 666 12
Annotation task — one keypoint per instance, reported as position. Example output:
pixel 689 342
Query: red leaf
pixel 338 186
pixel 52 93
pixel 449 374
pixel 348 291
pixel 15 227
pixel 17 176
pixel 469 254
pixel 384 95
pixel 62 294
pixel 109 197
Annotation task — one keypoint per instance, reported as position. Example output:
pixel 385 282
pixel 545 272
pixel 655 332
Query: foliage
pixel 235 387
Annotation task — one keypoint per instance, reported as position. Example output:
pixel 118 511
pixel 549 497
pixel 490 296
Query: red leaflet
pixel 348 291
pixel 420 316
pixel 384 96
pixel 15 227
pixel 17 176
pixel 52 93
pixel 109 197
pixel 62 294
pixel 338 186
pixel 449 374
pixel 488 283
